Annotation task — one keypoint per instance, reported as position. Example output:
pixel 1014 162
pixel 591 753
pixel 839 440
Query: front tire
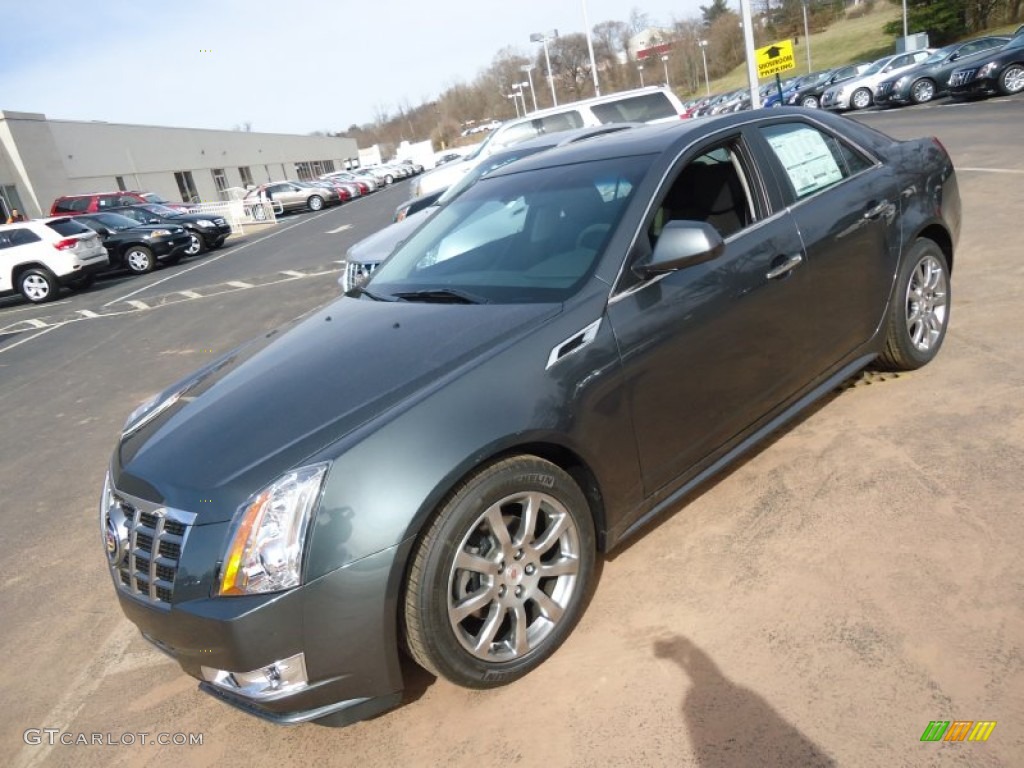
pixel 315 203
pixel 1012 80
pixel 922 91
pixel 860 99
pixel 811 102
pixel 195 245
pixel 38 285
pixel 919 316
pixel 139 259
pixel 500 578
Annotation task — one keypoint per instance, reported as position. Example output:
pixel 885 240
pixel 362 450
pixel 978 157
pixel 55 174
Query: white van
pixel 654 104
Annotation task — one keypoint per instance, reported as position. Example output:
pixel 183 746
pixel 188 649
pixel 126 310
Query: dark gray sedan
pixel 434 461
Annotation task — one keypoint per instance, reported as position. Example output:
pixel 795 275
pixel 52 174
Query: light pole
pixel 640 69
pixel 528 69
pixel 664 62
pixel 515 100
pixel 707 83
pixel 543 37
pixel 590 47
pixel 519 91
pixel 807 36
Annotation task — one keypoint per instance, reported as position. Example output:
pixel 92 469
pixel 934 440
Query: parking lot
pixel 856 578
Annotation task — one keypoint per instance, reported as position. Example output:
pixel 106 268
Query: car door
pixel 709 349
pixel 845 203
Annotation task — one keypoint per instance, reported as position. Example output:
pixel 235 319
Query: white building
pixel 42 159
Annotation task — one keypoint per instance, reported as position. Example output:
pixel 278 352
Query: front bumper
pixel 214 234
pixel 980 86
pixel 165 247
pixel 345 624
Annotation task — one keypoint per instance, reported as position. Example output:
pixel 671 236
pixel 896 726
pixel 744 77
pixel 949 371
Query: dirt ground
pixel 856 578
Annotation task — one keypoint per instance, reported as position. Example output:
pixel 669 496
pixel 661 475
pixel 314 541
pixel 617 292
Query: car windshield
pixel 153 197
pixel 112 221
pixel 940 54
pixel 474 174
pixel 1016 42
pixel 162 210
pixel 533 236
pixel 878 66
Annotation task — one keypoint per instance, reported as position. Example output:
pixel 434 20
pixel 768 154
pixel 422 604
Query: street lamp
pixel 707 83
pixel 590 47
pixel 519 92
pixel 807 35
pixel 543 37
pixel 515 100
pixel 640 69
pixel 664 62
pixel 528 69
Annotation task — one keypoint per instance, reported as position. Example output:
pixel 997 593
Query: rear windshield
pixel 635 109
pixel 68 227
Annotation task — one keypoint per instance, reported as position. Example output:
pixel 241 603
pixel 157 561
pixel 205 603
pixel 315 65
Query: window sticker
pixel 807 159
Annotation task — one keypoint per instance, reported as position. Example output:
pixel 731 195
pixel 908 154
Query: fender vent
pixel 574 343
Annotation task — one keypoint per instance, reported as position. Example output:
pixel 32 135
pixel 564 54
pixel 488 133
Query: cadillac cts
pixel 434 461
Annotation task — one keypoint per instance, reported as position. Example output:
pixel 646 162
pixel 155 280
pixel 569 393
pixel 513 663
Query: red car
pixel 94 202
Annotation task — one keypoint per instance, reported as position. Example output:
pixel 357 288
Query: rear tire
pixel 501 576
pixel 315 203
pixel 919 315
pixel 38 285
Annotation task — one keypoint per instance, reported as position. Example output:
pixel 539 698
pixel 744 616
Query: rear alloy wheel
pixel 919 315
pixel 389 179
pixel 38 285
pixel 1012 79
pixel 315 203
pixel 861 98
pixel 811 102
pixel 195 244
pixel 139 259
pixel 501 576
pixel 922 91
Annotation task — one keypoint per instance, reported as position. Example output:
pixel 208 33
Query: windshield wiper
pixel 360 291
pixel 442 296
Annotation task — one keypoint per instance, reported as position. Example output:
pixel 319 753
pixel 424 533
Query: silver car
pixel 858 92
pixel 293 196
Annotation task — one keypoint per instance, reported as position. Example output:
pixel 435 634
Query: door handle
pixel 785 267
pixel 878 210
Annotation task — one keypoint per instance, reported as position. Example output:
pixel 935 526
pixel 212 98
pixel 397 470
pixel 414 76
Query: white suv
pixel 38 257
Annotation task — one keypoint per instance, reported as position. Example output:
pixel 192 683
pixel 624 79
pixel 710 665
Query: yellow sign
pixel 775 58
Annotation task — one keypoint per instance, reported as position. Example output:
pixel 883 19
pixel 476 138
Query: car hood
pixel 380 245
pixel 192 218
pixel 271 405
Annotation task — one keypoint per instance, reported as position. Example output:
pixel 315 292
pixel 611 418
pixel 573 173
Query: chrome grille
pixel 153 537
pixel 357 272
pixel 961 76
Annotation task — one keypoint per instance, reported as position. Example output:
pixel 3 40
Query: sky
pixel 285 66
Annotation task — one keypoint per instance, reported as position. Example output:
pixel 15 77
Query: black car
pixel 434 461
pixel 930 78
pixel 137 247
pixel 1001 72
pixel 810 95
pixel 206 231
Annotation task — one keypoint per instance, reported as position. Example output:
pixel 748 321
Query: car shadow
pixel 732 726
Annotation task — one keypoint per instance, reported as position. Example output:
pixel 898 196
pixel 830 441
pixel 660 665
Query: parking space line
pixel 34 323
pixel 87 313
pixel 191 294
pixel 292 273
pixel 990 170
pixel 18 343
pixel 34 306
pixel 134 303
pixel 211 259
pixel 238 284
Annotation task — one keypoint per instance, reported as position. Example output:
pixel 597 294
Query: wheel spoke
pixel 566 566
pixel 548 607
pixel 472 604
pixel 482 642
pixel 467 561
pixel 556 529
pixel 496 523
pixel 520 642
pixel 528 523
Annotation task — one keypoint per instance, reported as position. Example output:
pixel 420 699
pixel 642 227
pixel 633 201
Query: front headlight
pixel 160 233
pixel 988 69
pixel 205 223
pixel 265 553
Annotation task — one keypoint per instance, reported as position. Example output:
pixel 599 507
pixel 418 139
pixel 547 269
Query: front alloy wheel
pixel 918 319
pixel 922 91
pixel 499 579
pixel 811 102
pixel 861 98
pixel 139 259
pixel 195 244
pixel 1012 79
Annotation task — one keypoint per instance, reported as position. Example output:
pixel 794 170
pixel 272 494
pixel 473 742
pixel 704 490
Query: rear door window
pixel 72 205
pixel 21 237
pixel 635 109
pixel 812 160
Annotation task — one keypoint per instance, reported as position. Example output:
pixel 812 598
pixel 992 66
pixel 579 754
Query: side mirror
pixel 955 56
pixel 154 221
pixel 101 230
pixel 682 244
